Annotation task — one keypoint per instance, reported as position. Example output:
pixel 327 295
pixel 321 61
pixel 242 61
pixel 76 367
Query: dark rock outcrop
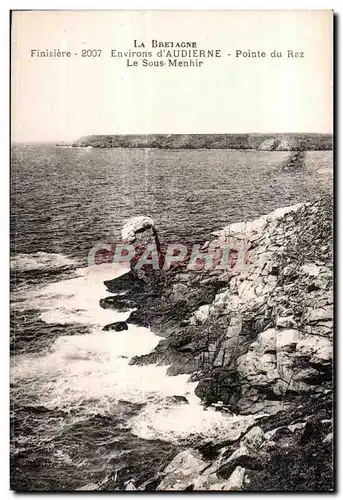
pixel 119 326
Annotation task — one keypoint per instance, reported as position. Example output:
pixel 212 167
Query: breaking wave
pixel 93 372
pixel 40 261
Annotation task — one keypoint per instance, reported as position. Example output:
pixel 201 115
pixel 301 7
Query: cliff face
pixel 258 341
pixel 268 142
pixel 279 314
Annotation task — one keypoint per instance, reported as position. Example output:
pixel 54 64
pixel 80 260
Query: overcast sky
pixel 63 99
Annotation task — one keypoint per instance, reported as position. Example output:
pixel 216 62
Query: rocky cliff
pixel 259 342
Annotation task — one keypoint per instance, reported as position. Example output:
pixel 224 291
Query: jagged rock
pixel 322 314
pixel 317 349
pixel 179 291
pixel 258 366
pixel 253 439
pixel 285 322
pixel 271 434
pixel 130 486
pixel 259 341
pixel 182 471
pixel 201 315
pixel 236 480
pixel 215 477
pixel 245 455
pixel 209 481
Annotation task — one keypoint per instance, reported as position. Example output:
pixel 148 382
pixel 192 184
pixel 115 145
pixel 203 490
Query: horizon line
pixel 32 141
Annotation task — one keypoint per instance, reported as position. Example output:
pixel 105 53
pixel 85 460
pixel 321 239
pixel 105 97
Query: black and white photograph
pixel 171 251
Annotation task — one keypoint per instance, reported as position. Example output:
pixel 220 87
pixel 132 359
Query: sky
pixel 64 99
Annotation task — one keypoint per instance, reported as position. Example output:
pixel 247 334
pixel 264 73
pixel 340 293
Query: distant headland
pixel 264 142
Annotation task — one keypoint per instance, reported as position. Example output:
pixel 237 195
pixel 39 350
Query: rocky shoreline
pixel 258 342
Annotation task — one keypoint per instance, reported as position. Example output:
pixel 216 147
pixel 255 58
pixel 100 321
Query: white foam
pixel 40 261
pixel 94 366
pixel 76 300
pixel 93 369
pixel 173 423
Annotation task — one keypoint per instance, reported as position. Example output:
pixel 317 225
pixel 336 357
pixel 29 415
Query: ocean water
pixel 79 412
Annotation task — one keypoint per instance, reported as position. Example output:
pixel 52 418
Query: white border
pixel 5 6
pixel 173 5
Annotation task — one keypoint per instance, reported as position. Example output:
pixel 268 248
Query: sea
pixel 81 415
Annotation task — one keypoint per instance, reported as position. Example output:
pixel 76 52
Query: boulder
pixel 285 322
pixel 182 471
pixel 200 316
pixel 253 439
pixel 236 480
pixel 119 326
